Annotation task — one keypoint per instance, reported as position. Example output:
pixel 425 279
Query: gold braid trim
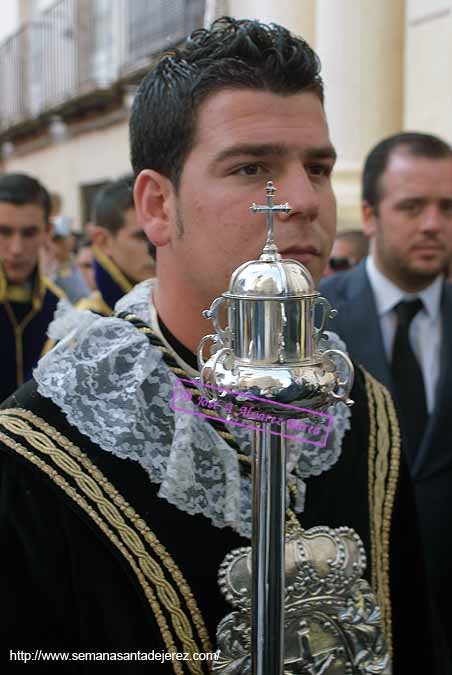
pixel 371 476
pixel 35 298
pixel 94 303
pixel 384 461
pixel 113 270
pixel 94 488
pixel 390 496
pixel 18 328
pixel 46 283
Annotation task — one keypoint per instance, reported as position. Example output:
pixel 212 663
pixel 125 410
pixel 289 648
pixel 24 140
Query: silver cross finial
pixel 270 208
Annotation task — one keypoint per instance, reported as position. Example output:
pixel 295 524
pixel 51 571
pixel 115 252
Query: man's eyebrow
pixel 252 149
pixel 22 228
pixel 272 150
pixel 323 152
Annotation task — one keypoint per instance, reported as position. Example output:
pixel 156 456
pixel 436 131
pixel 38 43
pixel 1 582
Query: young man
pixel 27 298
pixel 141 504
pixel 407 214
pixel 122 252
pixel 84 260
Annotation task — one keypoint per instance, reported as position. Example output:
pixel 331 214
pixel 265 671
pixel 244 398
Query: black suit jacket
pixel 358 325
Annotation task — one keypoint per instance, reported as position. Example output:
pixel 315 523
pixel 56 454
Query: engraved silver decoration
pixel 332 621
pixel 269 349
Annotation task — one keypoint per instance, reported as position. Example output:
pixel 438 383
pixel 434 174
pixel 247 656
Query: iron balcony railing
pixel 80 46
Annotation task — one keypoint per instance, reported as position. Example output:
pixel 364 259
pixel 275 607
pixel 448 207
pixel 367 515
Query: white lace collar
pixel 114 387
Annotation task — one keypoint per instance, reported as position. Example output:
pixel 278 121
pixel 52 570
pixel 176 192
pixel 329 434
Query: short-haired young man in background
pixel 122 252
pixel 27 298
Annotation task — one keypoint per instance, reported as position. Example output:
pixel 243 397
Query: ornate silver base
pixel 332 621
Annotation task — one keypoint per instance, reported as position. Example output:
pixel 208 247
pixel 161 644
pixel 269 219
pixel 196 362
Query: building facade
pixel 68 71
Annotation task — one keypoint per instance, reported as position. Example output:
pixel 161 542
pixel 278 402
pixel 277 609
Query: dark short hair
pixel 417 144
pixel 111 202
pixel 358 238
pixel 239 54
pixel 20 190
pixel 81 241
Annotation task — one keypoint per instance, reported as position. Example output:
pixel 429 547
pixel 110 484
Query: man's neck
pixel 185 354
pixel 27 283
pixel 182 316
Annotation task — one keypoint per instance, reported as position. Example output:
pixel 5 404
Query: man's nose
pixel 16 245
pixel 297 189
pixel 433 220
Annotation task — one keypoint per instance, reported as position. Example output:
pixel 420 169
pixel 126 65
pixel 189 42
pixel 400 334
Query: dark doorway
pixel 87 195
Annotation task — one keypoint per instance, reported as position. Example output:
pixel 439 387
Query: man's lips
pixel 15 265
pixel 300 251
pixel 427 248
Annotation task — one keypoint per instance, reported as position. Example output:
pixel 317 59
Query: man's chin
pixel 314 266
pixel 144 276
pixel 426 271
pixel 429 267
pixel 16 277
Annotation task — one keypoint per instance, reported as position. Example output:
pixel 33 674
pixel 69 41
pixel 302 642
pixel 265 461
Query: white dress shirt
pixel 425 329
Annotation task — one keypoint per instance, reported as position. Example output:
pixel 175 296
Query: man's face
pixel 244 139
pixel 343 257
pixel 23 231
pixel 60 248
pixel 343 248
pixel 413 227
pixel 84 261
pixel 129 249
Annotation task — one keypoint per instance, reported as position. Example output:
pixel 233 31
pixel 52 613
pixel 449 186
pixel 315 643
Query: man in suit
pixel 395 315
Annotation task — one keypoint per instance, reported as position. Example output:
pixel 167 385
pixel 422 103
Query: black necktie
pixel 408 379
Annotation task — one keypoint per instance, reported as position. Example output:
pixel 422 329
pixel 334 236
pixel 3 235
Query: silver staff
pixel 269 509
pixel 268 355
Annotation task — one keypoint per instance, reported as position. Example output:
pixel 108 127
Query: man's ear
pixel 155 207
pixel 101 238
pixel 369 220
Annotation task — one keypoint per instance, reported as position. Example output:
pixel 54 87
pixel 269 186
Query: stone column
pixel 361 46
pixel 428 55
pixel 296 15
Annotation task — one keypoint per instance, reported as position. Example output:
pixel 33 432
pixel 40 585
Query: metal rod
pixel 268 551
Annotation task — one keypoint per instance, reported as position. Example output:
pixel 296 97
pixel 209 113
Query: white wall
pixel 428 59
pixel 9 18
pixel 297 15
pixel 89 158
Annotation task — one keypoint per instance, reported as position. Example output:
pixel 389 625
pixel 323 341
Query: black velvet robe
pixel 23 329
pixel 111 285
pixel 67 586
